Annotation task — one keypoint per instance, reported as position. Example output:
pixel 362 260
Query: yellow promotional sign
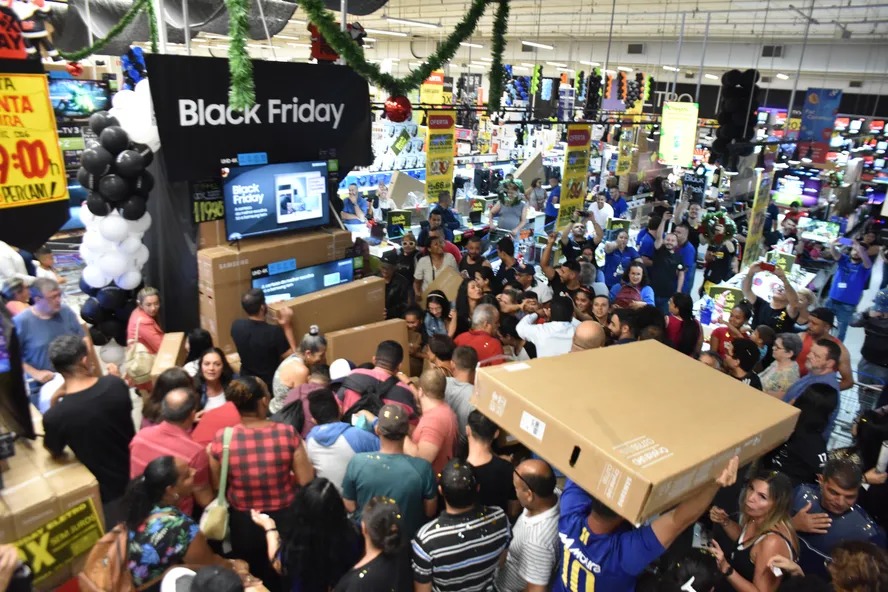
pixel 573 179
pixel 678 133
pixel 439 159
pixel 31 167
pixel 624 157
pixel 755 246
pixel 431 92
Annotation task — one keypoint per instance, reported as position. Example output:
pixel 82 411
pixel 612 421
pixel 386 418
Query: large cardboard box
pixel 653 427
pixel 341 307
pixel 358 344
pixel 224 272
pixel 50 510
pixel 171 353
pixel 448 281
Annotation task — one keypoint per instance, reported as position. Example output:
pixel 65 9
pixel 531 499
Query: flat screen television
pixel 283 282
pixel 78 99
pixel 275 198
pixel 15 408
pixel 821 231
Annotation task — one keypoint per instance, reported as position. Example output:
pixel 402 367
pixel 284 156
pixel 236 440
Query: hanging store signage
pixel 439 159
pixel 301 111
pixel 573 179
pixel 624 157
pixel 818 121
pixel 678 133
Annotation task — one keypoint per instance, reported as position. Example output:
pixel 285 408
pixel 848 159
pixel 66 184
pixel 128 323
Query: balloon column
pixel 737 117
pixel 115 217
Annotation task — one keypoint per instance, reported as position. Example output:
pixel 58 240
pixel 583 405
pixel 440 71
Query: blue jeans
pixel 844 312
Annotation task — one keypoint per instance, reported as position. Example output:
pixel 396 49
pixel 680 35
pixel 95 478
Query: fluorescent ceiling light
pixel 370 39
pixel 526 65
pixel 214 36
pixel 485 59
pixel 671 69
pixel 710 76
pixel 286 37
pixel 384 32
pixel 520 68
pixel 624 69
pixel 256 46
pixel 590 63
pixel 475 45
pixel 611 72
pixel 556 64
pixel 402 21
pixel 782 76
pixel 200 40
pixel 537 45
pixel 299 45
pixel 299 21
pixel 566 69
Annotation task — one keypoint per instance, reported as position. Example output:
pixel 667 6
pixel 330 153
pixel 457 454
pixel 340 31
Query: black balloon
pixel 111 297
pixel 123 313
pixel 92 312
pixel 98 338
pixel 99 120
pixel 145 151
pixel 96 160
pixel 87 289
pixel 87 180
pixel 134 208
pixel 111 327
pixel 120 334
pixel 144 184
pixel 114 188
pixel 732 78
pixel 96 204
pixel 129 163
pixel 114 139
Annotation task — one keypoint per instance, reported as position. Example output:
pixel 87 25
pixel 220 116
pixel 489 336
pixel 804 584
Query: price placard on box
pixel 207 201
pixel 32 170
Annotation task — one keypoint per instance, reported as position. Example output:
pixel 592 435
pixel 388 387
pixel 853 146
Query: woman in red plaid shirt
pixel 267 462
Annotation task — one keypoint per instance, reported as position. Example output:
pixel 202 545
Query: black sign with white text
pixel 300 111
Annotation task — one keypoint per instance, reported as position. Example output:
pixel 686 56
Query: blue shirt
pixel 349 208
pixel 688 256
pixel 853 525
pixel 551 210
pixel 36 334
pixel 620 207
pixel 849 282
pixel 646 244
pixel 615 263
pixel 591 562
pixel 449 219
pixel 799 386
pixel 647 293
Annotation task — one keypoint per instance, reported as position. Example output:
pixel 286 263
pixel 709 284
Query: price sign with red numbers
pixel 32 170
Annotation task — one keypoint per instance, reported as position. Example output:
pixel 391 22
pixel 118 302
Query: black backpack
pixel 372 392
pixel 292 414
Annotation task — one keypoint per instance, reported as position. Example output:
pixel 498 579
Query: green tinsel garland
pixel 242 92
pixel 134 10
pixel 353 55
pixel 497 72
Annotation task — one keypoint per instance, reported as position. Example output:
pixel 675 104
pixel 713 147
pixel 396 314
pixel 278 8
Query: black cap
pixel 825 315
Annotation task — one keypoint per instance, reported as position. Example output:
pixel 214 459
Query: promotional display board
pixel 755 240
pixel 302 113
pixel 573 178
pixel 439 162
pixel 624 157
pixel 678 133
pixel 818 120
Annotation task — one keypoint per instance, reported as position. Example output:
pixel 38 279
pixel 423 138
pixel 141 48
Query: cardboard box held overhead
pixel 360 302
pixel 653 427
pixel 358 344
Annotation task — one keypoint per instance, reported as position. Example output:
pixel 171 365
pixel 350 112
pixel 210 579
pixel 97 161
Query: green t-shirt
pixel 407 480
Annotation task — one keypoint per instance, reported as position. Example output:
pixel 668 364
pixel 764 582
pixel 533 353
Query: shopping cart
pixel 864 395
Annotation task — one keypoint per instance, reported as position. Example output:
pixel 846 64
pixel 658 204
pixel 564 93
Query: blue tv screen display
pixel 299 282
pixel 275 198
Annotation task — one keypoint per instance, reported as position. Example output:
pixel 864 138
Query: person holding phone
pixel 779 314
pixel 852 274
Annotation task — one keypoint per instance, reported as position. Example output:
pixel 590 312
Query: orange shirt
pixel 439 427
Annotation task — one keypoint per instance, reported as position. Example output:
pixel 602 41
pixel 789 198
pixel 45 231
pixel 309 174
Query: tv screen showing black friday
pixel 275 198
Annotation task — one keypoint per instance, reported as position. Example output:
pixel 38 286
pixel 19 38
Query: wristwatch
pixel 728 573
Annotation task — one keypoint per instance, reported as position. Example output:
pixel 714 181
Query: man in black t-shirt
pixel 473 260
pixel 94 417
pixel 719 264
pixel 262 346
pixel 494 475
pixel 505 275
pixel 666 274
pixel 783 310
pixel 741 356
pixel 565 279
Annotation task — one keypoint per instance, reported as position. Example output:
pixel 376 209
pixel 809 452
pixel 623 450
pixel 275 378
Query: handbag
pixel 214 521
pixel 138 361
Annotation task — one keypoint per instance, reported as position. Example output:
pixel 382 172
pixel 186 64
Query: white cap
pixel 177 579
pixel 339 369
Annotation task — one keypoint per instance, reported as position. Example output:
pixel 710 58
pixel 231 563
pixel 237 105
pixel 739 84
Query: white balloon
pixel 112 353
pixel 141 256
pixel 114 229
pixel 87 217
pixel 94 277
pixel 130 245
pixel 129 280
pixel 143 88
pixel 96 243
pixel 86 254
pixel 142 224
pixel 124 99
pixel 113 264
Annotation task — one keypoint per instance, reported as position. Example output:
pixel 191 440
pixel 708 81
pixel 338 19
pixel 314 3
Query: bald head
pixel 589 335
pixel 179 406
pixel 535 485
pixel 433 383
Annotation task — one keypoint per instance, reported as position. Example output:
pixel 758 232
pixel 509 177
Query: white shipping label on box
pixel 532 425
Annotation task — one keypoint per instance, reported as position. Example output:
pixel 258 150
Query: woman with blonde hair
pixel 763 532
pixel 143 326
pixel 807 301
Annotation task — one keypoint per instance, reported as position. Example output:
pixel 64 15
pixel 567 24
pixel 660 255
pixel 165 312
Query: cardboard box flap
pixel 358 344
pixel 171 353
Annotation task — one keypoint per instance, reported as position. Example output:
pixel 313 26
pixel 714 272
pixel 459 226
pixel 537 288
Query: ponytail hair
pixel 383 522
pixel 145 491
pixel 690 332
pixel 246 392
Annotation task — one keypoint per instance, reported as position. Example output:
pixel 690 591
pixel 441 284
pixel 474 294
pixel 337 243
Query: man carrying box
pixel 602 552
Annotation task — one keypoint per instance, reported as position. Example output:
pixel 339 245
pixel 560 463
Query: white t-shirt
pixel 12 265
pixel 601 216
pixel 532 553
pixel 426 273
pixel 214 402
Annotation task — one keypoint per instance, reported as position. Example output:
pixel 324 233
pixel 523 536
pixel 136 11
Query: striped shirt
pixel 460 552
pixel 532 552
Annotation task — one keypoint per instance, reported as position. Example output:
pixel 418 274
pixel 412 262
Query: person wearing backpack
pixel 159 534
pixel 369 390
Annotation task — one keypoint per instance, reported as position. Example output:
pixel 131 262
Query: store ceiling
pixel 641 19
